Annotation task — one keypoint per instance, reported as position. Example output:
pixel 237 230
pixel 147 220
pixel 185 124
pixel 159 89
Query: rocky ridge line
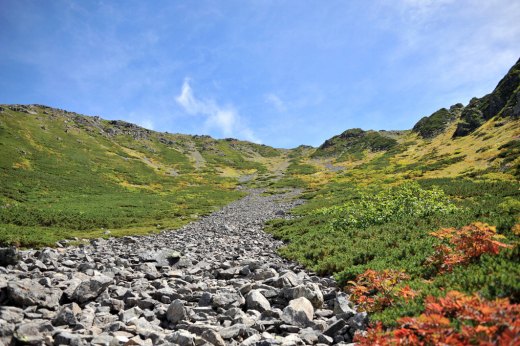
pixel 217 281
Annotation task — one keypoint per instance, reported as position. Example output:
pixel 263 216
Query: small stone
pixel 176 311
pixel 334 328
pixel 213 337
pixel 182 338
pixel 11 314
pixel 256 301
pixel 68 315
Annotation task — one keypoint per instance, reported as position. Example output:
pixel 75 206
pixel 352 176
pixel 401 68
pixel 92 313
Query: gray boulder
pixel 227 300
pixel 256 301
pixel 335 327
pixel 213 337
pixel 299 312
pixel 182 338
pixel 342 306
pixel 311 291
pixel 33 333
pixel 237 330
pixel 27 292
pixel 358 322
pixel 69 315
pixel 11 314
pixel 91 288
pixel 176 311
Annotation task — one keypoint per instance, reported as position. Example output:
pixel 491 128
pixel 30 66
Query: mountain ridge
pixel 504 100
pixel 53 159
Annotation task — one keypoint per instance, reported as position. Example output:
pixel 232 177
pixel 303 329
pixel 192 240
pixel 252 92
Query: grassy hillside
pixel 63 174
pixel 371 220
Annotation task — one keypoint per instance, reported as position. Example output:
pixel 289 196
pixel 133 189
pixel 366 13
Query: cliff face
pixel 504 101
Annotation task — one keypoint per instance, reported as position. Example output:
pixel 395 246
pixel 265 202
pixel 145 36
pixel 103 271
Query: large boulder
pixel 91 288
pixel 299 312
pixel 27 292
pixel 213 337
pixel 33 333
pixel 69 315
pixel 8 256
pixel 342 306
pixel 227 300
pixel 11 314
pixel 311 291
pixel 161 258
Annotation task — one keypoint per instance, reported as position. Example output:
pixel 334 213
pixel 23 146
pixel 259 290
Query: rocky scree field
pixel 217 281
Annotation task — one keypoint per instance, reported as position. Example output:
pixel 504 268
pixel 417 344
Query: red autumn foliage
pixel 465 245
pixel 377 290
pixel 457 320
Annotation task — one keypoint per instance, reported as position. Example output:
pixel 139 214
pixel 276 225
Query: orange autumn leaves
pixel 374 291
pixel 464 245
pixel 456 319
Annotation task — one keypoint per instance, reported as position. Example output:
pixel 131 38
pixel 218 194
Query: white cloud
pixel 146 123
pixel 276 102
pixel 223 118
pixel 420 10
pixel 462 46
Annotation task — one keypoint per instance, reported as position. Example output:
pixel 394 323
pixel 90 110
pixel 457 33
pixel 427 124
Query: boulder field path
pixel 216 281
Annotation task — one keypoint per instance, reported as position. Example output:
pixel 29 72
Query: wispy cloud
pixel 275 101
pixel 458 49
pixel 225 119
pixel 146 123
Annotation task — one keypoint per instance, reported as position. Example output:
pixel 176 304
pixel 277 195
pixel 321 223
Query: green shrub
pixel 406 200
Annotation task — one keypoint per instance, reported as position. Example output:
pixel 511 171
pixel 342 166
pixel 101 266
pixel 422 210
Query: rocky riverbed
pixel 217 281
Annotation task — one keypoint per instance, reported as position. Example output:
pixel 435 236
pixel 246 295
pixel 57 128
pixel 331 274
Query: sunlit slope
pixel 481 138
pixel 387 193
pixel 65 174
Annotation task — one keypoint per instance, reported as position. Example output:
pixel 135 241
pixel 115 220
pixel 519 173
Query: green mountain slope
pixel 66 174
pixel 377 206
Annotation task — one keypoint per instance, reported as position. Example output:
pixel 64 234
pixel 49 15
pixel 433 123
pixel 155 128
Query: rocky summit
pixel 217 281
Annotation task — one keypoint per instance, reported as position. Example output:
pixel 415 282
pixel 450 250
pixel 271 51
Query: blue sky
pixel 282 73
